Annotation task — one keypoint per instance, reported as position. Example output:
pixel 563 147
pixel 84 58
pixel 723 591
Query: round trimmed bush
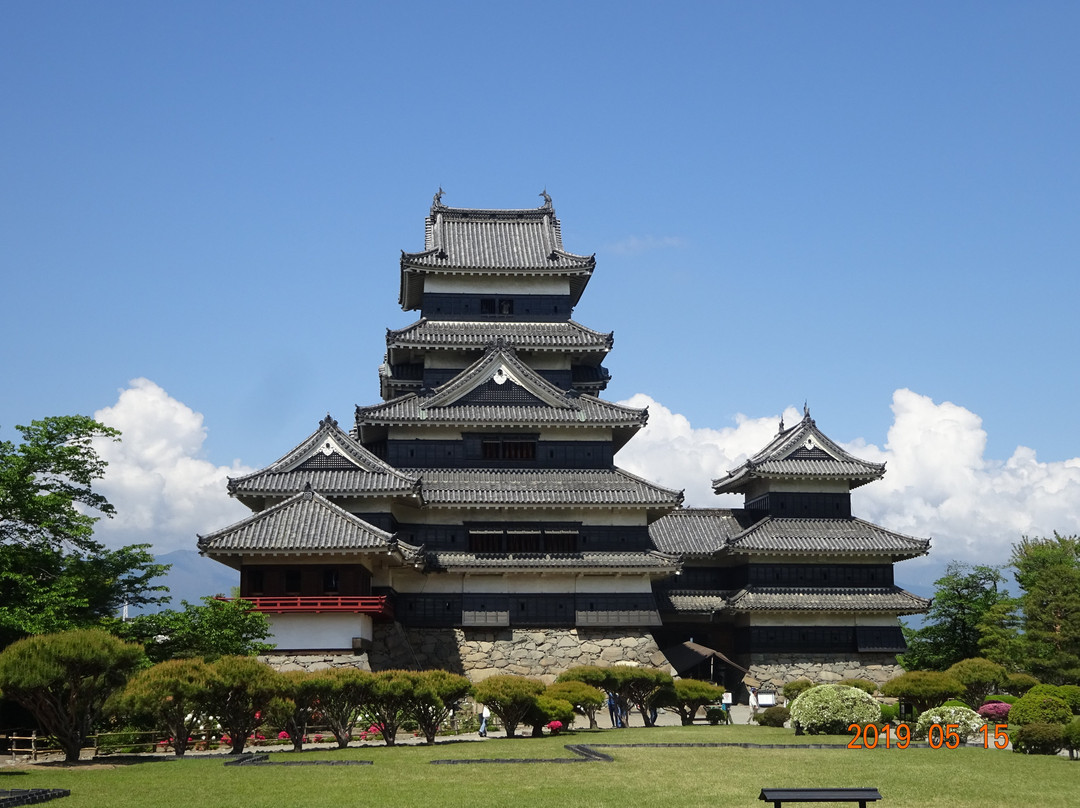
pixel 863 684
pixel 1039 738
pixel 967 721
pixel 890 713
pixel 956 703
pixel 793 689
pixel 995 712
pixel 773 716
pixel 1035 708
pixel 1070 736
pixel 1020 683
pixel 830 709
pixel 1070 694
pixel 1005 697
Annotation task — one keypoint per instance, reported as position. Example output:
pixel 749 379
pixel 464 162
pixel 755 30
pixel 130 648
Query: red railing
pixel 376 606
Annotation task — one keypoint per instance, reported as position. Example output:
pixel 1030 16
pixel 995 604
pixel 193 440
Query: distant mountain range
pixel 192 576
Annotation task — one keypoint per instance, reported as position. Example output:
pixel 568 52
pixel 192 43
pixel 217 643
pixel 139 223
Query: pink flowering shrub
pixel 283 736
pixel 996 712
pixel 554 727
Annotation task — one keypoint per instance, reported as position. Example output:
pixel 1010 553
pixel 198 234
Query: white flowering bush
pixel 967 722
pixel 831 709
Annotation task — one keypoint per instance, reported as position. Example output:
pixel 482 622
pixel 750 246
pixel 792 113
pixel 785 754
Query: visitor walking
pixel 753 704
pixel 485 714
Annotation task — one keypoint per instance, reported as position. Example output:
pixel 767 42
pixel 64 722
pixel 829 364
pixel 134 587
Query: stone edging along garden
pixel 30 796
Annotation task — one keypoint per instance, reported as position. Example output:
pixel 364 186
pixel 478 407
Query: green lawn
pixel 713 777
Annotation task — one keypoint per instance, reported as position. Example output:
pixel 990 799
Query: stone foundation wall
pixel 317 661
pixel 480 653
pixel 776 670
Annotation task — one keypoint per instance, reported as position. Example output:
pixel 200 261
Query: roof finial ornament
pixel 328 421
pixel 547 199
pixel 805 409
pixel 436 202
pixel 781 423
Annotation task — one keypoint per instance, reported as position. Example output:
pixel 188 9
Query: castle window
pixel 496 447
pixel 331 581
pixel 292 582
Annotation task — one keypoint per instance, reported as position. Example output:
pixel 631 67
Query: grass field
pixel 713 777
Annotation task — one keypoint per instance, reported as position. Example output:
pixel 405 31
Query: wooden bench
pixel 778 796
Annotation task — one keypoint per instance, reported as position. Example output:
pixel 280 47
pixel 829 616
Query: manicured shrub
pixel 715 714
pixel 956 703
pixel 863 684
pixel 830 709
pixel 1017 684
pixel 967 721
pixel 1070 694
pixel 1035 708
pixel 1005 697
pixel 546 710
pixel 688 696
pixel 923 689
pixel 583 696
pixel 978 676
pixel 995 712
pixel 890 713
pixel 1039 738
pixel 773 716
pixel 793 689
pixel 1070 736
pixel 509 697
pixel 435 695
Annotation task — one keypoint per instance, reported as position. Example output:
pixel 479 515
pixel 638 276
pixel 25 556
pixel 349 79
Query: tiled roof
pixel 561 336
pixel 531 562
pixel 691 600
pixel 517 396
pixel 784 535
pixel 801 451
pixel 332 463
pixel 529 488
pixel 495 239
pixel 891 599
pixel 306 522
pixel 507 241
pixel 695 531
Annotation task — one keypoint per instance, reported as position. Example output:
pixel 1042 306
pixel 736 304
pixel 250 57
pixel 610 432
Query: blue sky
pixel 828 202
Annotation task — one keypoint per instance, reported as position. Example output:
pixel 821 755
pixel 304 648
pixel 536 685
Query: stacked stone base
pixel 776 670
pixel 316 661
pixel 480 653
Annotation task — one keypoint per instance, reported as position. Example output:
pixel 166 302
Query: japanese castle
pixel 475 520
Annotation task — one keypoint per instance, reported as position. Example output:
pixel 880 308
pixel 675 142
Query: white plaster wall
pixel 318 632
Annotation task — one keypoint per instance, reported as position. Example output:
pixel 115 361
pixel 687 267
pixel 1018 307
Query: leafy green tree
pixel 53 575
pixel 963 596
pixel 510 698
pixel 173 695
pixel 584 696
pixel 1048 570
pixel 44 479
pixel 547 708
pixel 296 702
pixel 1001 636
pixel 240 690
pixel 342 694
pixel 979 676
pixel 391 696
pixel 212 629
pixel 639 687
pixel 64 679
pixel 435 694
pixel 690 695
pixel 921 689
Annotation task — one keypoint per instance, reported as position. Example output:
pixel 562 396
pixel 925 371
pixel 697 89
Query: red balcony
pixel 379 607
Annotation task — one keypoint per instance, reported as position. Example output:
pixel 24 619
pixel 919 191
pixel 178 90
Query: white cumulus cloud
pixel 164 492
pixel 939 484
